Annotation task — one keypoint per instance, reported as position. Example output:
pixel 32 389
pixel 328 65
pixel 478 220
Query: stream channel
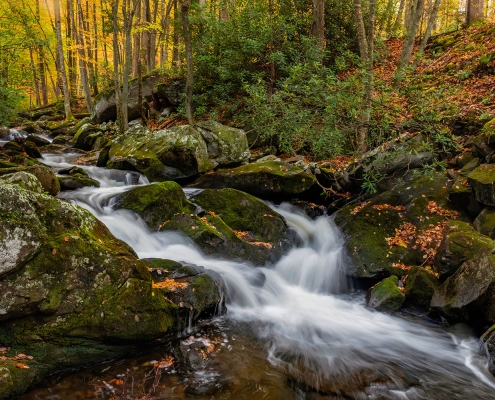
pixel 293 330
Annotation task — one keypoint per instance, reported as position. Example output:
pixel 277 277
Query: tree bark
pixel 474 11
pixel 61 62
pixel 83 68
pixel 429 28
pixel 408 45
pixel 318 27
pixel 189 59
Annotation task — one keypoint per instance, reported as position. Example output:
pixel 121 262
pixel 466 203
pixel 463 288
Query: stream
pixel 293 330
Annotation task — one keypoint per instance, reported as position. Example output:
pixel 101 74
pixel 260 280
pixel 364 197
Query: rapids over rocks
pixel 295 329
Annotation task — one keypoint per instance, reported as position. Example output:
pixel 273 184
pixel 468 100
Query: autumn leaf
pixel 21 366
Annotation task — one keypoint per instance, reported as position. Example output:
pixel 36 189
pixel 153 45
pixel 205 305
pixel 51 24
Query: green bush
pixel 9 101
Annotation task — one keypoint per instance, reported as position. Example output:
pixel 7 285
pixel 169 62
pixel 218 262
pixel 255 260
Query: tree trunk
pixel 189 59
pixel 116 64
pixel 474 11
pixel 61 62
pixel 175 51
pixel 408 45
pixel 318 27
pixel 71 57
pixel 429 28
pixel 366 48
pixel 137 44
pixel 83 69
pixel 398 19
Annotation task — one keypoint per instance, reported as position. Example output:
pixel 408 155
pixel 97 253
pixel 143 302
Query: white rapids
pixel 295 308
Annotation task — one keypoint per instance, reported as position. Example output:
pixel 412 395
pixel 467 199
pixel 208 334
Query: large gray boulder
pixel 179 152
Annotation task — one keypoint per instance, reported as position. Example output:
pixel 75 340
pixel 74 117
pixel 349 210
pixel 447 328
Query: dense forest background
pixel 327 77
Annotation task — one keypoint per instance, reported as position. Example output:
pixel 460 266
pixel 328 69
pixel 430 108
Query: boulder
pixel 234 225
pixel 420 286
pixel 386 295
pixel 482 180
pixel 270 179
pixel 155 203
pixel 392 229
pixel 45 176
pixel 38 140
pixel 86 136
pixel 226 146
pixel 104 105
pixel 162 155
pixel 23 179
pixel 170 93
pixel 485 222
pixel 74 295
pixel 469 294
pixel 460 243
pixel 31 149
pixel 75 182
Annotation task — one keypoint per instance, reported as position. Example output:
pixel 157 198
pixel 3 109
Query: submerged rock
pixel 386 295
pixel 269 179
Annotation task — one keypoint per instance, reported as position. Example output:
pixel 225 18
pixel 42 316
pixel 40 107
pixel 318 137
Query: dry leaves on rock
pixel 403 235
pixel 358 208
pixel 434 208
pixel 170 284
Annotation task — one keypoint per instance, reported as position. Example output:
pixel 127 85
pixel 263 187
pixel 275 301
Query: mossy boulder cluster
pixel 180 152
pixel 73 294
pixel 226 223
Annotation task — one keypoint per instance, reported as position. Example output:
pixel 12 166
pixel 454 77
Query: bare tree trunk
pixel 429 28
pixel 474 11
pixel 95 44
pixel 318 27
pixel 408 45
pixel 398 19
pixel 366 48
pixel 83 69
pixel 116 64
pixel 137 44
pixel 175 51
pixel 189 59
pixel 36 84
pixel 61 62
pixel 145 40
pixel 105 51
pixel 71 58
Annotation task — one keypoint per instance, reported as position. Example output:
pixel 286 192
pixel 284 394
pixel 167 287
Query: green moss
pixel 156 203
pixel 243 212
pixel 386 295
pixel 420 287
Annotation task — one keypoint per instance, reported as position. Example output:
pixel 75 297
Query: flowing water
pixel 294 330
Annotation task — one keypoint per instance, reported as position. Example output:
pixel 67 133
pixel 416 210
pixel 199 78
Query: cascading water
pixel 316 336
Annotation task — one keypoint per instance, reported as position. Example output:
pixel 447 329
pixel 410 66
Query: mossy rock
pixel 420 286
pixel 488 340
pixel 86 136
pixel 243 212
pixel 155 203
pixel 31 149
pixel 14 381
pixel 482 181
pixel 23 179
pixel 75 182
pixel 226 146
pixel 460 243
pixel 270 179
pixel 469 294
pixel 366 226
pixel 386 295
pixel 485 222
pixel 45 175
pixel 162 155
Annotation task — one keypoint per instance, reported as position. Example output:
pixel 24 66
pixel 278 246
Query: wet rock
pixel 75 182
pixel 270 179
pixel 463 159
pixel 420 286
pixel 155 203
pixel 460 243
pixel 63 140
pixel 45 175
pixel 485 222
pixel 38 140
pixel 370 225
pixel 31 149
pixel 482 181
pixel 386 295
pixel 469 294
pixel 488 340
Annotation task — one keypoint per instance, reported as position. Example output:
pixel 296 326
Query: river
pixel 293 330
